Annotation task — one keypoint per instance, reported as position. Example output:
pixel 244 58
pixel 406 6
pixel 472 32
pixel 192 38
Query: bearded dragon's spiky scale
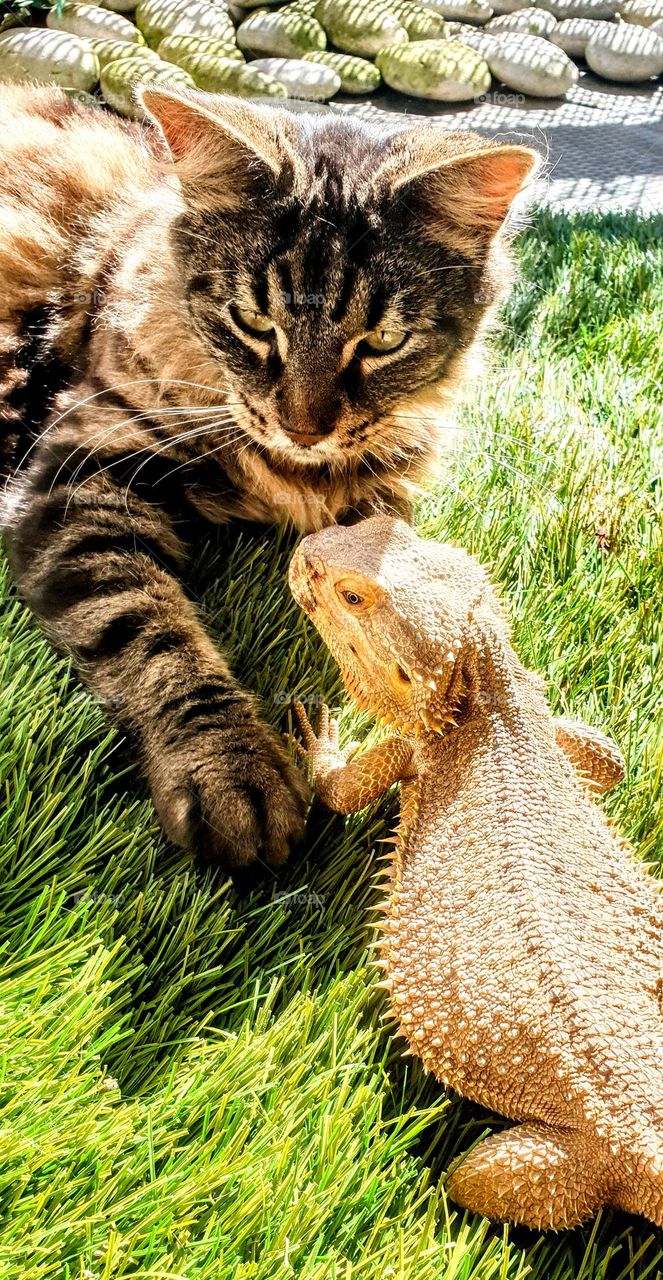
pixel 522 938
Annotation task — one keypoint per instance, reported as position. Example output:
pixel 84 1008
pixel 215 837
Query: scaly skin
pixel 521 938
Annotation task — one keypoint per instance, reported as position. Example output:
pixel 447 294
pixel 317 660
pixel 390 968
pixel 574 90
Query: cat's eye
pixel 251 321
pixel 383 341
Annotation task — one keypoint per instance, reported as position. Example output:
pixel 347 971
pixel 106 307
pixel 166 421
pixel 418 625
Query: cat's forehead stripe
pixel 377 304
pixel 319 275
pixel 347 288
pixel 261 289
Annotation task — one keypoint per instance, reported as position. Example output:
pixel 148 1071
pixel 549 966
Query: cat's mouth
pixel 305 438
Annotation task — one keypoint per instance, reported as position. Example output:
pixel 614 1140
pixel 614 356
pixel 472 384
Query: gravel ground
pixel 604 142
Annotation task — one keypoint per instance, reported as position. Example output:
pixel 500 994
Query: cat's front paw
pixel 231 795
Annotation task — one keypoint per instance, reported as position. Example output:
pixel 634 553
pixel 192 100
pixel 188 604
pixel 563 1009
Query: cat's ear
pixel 461 188
pixel 217 143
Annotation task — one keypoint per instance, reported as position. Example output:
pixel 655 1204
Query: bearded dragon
pixel 521 938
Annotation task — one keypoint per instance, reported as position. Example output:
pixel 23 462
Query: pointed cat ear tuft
pixel 215 142
pixel 464 197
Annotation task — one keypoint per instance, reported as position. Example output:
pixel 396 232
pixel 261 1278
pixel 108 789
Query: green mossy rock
pixel 110 50
pixel 119 80
pixel 357 75
pixel 281 34
pixel 363 27
pixel 160 18
pixel 419 22
pixel 172 48
pixel 444 71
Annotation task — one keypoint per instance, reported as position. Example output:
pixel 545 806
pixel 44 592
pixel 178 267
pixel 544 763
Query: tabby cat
pixel 233 311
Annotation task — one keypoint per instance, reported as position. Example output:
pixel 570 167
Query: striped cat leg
pixel 99 563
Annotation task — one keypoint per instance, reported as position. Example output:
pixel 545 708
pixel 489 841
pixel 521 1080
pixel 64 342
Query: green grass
pixel 197 1084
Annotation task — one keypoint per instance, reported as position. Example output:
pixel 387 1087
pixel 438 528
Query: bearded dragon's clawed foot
pixel 346 785
pixel 321 750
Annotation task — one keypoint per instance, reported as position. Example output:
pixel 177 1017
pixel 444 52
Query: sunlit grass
pixel 197 1084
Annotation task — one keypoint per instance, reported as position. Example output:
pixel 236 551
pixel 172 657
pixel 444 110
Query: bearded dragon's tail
pixel 639 1122
pixel 642 1191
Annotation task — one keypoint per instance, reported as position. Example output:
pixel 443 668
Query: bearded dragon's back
pixel 567 960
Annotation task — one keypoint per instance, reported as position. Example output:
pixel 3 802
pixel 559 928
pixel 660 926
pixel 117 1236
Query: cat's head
pixel 340 271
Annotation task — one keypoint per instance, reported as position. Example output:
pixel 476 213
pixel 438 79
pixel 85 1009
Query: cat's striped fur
pixel 135 402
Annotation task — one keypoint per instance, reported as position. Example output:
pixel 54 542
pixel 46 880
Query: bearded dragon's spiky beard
pixel 435 717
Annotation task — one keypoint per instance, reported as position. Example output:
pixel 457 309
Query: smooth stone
pixel 626 53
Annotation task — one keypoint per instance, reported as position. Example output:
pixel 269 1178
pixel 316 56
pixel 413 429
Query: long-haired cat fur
pixel 232 311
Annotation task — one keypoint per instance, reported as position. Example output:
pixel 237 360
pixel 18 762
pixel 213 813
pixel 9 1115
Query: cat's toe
pixel 233 805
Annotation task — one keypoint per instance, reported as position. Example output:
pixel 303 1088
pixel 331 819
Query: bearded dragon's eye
pixel 351 597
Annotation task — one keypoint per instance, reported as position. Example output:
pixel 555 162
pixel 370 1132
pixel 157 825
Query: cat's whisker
pixel 418 428
pixel 366 460
pixel 197 431
pixel 125 491
pixel 394 446
pixel 464 496
pixel 459 266
pixel 456 428
pixel 165 411
pixel 217 426
pixel 413 427
pixel 423 418
pixel 208 452
pixel 98 439
pixel 117 386
pixel 513 440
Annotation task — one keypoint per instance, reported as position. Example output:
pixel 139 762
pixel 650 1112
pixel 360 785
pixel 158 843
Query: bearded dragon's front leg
pixel 595 757
pixel 344 785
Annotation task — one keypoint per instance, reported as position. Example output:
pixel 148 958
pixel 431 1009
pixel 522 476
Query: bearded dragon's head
pixel 402 616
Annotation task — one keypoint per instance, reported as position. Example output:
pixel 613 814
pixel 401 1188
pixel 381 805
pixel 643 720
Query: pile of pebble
pixel 447 50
